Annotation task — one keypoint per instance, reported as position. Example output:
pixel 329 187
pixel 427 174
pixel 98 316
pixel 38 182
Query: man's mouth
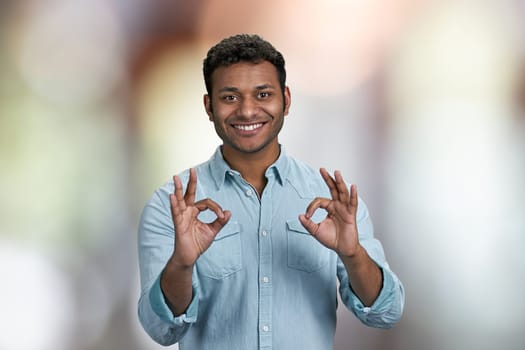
pixel 248 127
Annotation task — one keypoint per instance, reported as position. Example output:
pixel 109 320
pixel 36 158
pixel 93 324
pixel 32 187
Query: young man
pixel 234 253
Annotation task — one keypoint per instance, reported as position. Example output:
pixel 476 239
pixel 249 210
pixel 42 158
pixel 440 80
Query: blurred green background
pixel 421 103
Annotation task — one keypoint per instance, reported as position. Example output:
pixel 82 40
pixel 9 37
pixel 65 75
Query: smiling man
pixel 234 253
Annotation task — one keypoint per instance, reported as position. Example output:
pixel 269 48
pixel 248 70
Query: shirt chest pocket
pixel 305 253
pixel 223 258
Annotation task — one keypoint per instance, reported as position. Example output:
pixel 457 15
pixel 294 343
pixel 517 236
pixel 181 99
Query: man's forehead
pixel 257 75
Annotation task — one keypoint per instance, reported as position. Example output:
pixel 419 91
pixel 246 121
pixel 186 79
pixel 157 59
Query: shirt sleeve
pixel 388 307
pixel 155 244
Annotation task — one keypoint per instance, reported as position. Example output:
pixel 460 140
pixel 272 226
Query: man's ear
pixel 287 100
pixel 208 107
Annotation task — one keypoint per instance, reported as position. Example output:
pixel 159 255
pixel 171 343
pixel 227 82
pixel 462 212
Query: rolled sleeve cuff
pixel 384 295
pixel 386 309
pixel 161 308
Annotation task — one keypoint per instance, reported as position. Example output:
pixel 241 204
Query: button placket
pixel 265 269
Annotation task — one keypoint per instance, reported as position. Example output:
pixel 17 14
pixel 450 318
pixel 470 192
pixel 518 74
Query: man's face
pixel 247 106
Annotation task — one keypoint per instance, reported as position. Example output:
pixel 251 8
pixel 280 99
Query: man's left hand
pixel 338 231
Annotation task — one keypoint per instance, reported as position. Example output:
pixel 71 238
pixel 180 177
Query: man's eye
pixel 229 98
pixel 264 94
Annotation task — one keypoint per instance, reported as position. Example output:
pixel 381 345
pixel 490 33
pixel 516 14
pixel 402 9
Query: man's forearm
pixel 365 276
pixel 176 285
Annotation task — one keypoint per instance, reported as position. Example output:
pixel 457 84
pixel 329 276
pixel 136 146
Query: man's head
pixel 247 98
pixel 242 48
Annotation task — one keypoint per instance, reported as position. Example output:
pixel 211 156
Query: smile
pixel 249 127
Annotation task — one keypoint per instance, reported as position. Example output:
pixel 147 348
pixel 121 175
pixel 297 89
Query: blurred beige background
pixel 421 103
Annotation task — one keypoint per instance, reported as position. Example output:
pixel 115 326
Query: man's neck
pixel 252 166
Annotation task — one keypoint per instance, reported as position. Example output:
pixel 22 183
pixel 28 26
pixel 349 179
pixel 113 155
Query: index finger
pixel 210 204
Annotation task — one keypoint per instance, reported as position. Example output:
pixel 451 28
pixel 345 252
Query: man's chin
pixel 249 149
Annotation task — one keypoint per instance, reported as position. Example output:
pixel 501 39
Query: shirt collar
pixel 220 169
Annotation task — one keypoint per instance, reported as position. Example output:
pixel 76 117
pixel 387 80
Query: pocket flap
pixel 296 226
pixel 230 229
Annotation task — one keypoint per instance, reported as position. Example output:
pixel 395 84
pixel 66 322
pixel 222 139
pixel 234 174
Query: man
pixel 234 253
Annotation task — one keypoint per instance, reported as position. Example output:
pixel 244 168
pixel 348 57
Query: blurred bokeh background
pixel 421 103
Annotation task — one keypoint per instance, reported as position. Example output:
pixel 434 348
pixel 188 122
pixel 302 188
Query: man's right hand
pixel 192 236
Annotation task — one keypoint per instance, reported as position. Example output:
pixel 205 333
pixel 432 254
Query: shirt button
pixel 249 192
pixel 266 279
pixel 264 233
pixel 366 309
pixel 265 328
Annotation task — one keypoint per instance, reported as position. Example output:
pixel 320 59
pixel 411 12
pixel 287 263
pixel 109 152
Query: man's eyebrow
pixel 229 89
pixel 264 87
pixel 234 89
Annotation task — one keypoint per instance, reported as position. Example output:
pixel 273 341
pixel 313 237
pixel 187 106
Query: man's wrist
pixel 179 263
pixel 358 258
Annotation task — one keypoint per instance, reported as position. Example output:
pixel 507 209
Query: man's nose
pixel 248 107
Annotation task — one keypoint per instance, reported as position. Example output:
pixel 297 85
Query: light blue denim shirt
pixel 264 283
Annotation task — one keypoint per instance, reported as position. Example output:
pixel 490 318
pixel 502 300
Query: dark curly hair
pixel 242 48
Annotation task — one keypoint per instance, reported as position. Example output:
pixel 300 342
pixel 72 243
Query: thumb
pixel 219 223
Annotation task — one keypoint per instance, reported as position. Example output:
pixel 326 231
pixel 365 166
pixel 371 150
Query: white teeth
pixel 248 127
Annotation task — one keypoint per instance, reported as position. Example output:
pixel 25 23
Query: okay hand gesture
pixel 338 231
pixel 192 236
